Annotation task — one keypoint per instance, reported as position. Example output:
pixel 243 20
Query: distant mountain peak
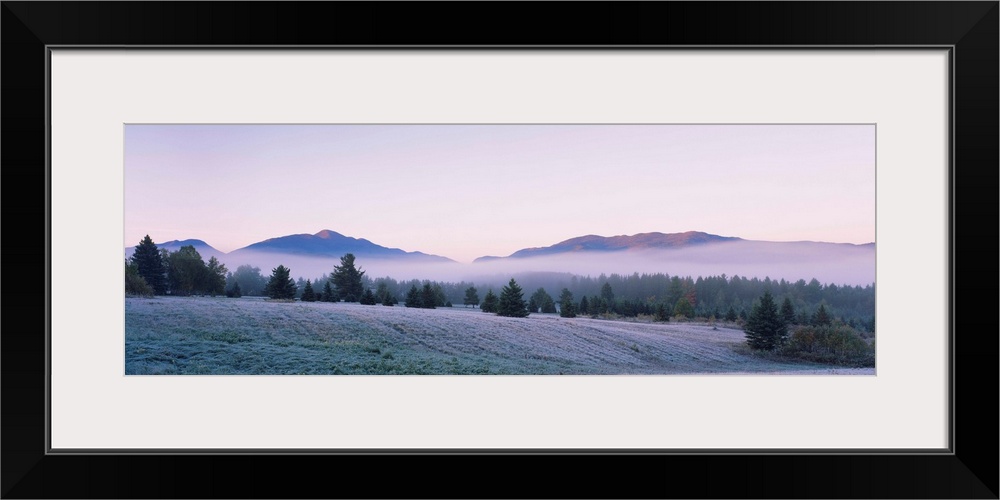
pixel 596 243
pixel 328 243
pixel 326 234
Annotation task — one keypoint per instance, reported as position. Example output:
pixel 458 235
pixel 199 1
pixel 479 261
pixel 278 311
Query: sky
pixel 465 191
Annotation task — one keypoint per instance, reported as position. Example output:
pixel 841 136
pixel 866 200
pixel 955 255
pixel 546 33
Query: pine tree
pixel 765 329
pixel 821 318
pixel 489 303
pixel 389 299
pixel 471 297
pixel 308 295
pixel 281 286
pixel 413 297
pixel 235 291
pixel 731 314
pixel 368 298
pixel 607 294
pixel 511 301
pixel 549 305
pixel 567 308
pixel 661 312
pixel 347 279
pixel 787 311
pixel 329 295
pixel 149 264
pixel 584 306
pixel 428 298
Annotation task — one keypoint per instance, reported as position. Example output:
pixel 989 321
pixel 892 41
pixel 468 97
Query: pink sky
pixel 464 191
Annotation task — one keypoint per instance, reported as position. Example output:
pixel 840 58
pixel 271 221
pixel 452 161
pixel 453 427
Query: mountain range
pixel 641 241
pixel 327 243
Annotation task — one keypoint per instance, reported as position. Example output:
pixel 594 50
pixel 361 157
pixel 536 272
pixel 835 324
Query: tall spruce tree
pixel 511 302
pixel 787 311
pixel 281 286
pixel 821 318
pixel 765 329
pixel 149 264
pixel 413 297
pixel 489 302
pixel 567 308
pixel 428 297
pixel 347 279
pixel 308 294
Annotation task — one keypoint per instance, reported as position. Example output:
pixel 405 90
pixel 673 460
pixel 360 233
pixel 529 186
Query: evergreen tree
pixel 532 305
pixel 731 314
pixel 511 302
pixel 471 297
pixel 489 302
pixel 567 308
pixel 549 305
pixel 584 305
pixel 821 318
pixel 215 277
pixel 413 297
pixel 661 313
pixel 428 299
pixel 607 294
pixel 308 295
pixel 148 262
pixel 765 329
pixel 281 285
pixel 347 279
pixel 388 300
pixel 329 295
pixel 787 312
pixel 234 291
pixel 368 298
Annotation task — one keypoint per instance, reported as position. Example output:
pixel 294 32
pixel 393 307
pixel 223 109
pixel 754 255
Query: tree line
pixel 659 295
pixel 824 339
pixel 153 271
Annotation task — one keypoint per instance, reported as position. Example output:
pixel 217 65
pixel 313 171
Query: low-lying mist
pixel 839 264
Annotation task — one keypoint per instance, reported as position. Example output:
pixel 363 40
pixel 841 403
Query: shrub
pixel 838 344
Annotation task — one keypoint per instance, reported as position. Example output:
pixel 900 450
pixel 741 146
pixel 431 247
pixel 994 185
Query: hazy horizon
pixel 467 191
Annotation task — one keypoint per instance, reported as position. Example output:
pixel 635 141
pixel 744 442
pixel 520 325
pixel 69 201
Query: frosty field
pixel 251 336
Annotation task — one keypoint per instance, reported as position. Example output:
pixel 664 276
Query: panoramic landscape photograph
pixel 503 249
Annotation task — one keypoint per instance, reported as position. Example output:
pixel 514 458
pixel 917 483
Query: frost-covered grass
pixel 248 336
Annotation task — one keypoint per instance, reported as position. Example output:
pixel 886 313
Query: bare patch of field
pixel 200 335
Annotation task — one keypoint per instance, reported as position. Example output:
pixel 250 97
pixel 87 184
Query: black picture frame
pixel 970 470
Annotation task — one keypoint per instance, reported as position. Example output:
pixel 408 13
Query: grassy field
pixel 252 336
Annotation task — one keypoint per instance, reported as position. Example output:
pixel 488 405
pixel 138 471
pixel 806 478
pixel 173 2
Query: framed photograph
pixel 736 248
